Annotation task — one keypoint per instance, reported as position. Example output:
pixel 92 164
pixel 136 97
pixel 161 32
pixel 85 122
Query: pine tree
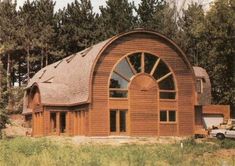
pixel 116 17
pixel 220 32
pixel 45 29
pixel 191 34
pixel 76 27
pixel 28 30
pixel 8 36
pixel 157 15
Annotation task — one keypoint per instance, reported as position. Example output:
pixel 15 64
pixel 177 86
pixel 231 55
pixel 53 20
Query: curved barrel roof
pixel 68 81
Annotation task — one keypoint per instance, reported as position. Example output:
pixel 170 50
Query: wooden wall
pixel 99 113
pixel 143 106
pixel 217 109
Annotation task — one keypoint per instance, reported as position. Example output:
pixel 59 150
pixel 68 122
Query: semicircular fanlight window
pixel 141 63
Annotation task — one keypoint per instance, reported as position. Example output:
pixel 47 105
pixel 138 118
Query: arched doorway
pixel 143 92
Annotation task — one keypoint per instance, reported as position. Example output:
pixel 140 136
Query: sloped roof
pixel 200 72
pixel 68 82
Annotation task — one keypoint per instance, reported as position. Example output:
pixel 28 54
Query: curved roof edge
pixel 140 30
pixel 53 76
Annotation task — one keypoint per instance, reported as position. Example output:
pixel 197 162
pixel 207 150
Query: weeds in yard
pixel 22 151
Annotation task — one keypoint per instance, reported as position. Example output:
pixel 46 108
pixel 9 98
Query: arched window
pixel 141 62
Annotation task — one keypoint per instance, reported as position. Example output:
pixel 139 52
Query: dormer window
pixel 199 85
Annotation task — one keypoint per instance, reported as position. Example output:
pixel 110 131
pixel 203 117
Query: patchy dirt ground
pixel 116 140
pixel 16 127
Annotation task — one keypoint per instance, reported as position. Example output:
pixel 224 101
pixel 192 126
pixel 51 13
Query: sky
pixel 60 4
pixel 63 3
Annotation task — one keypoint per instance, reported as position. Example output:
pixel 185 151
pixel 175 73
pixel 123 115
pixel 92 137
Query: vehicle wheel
pixel 220 136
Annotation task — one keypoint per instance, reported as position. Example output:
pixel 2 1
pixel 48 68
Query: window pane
pixel 124 68
pixel 172 116
pixel 113 121
pixel 161 70
pixel 167 95
pixel 118 82
pixel 149 61
pixel 122 121
pixel 167 83
pixel 163 116
pixel 118 94
pixel 198 85
pixel 135 60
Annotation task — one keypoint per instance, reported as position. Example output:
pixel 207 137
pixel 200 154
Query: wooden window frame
pixel 167 117
pixel 117 132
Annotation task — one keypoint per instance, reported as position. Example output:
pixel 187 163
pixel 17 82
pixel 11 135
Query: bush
pixel 227 144
pixel 3 120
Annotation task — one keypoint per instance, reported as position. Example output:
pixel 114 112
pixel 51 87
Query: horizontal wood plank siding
pixel 168 53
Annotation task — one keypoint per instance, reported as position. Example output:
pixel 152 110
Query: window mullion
pixel 125 78
pixel 163 77
pixel 131 66
pixel 142 62
pixel 155 66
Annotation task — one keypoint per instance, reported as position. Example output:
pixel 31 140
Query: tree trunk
pixel 28 67
pixel 46 56
pixel 46 59
pixel 1 76
pixel 8 71
pixel 42 58
pixel 19 72
pixel 10 97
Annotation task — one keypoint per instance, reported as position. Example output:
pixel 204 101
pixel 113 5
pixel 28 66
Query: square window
pixel 172 117
pixel 163 116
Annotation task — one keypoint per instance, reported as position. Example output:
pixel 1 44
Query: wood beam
pixel 155 66
pixel 131 66
pixel 142 62
pixel 125 78
pixel 163 77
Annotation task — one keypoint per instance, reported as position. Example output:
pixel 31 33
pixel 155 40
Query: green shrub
pixel 3 120
pixel 227 144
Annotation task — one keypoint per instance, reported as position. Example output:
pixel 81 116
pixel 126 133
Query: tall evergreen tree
pixel 45 37
pixel 220 31
pixel 76 26
pixel 116 17
pixel 8 36
pixel 191 34
pixel 157 15
pixel 28 31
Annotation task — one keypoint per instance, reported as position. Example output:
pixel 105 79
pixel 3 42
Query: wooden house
pixel 138 83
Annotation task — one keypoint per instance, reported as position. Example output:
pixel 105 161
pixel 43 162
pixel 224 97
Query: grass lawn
pixel 24 151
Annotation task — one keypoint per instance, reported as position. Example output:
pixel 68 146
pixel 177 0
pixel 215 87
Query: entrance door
pixel 118 122
pixel 143 106
pixel 63 122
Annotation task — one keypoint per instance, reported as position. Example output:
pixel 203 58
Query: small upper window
pixel 199 85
